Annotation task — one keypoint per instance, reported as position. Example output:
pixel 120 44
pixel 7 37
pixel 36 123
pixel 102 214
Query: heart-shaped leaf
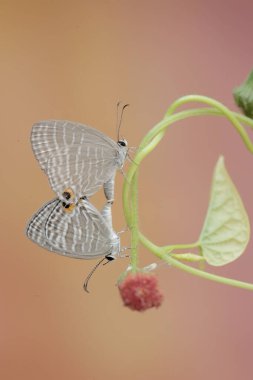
pixel 226 230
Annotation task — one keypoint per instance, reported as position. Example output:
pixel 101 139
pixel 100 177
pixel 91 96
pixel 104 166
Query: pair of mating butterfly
pixel 78 160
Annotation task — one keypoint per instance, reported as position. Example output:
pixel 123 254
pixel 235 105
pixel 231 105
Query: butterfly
pixel 78 231
pixel 77 159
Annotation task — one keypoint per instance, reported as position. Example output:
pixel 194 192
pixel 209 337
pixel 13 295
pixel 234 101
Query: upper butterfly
pixel 77 159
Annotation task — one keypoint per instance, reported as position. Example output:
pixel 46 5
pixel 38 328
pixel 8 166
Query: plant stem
pixel 130 190
pixel 154 136
pixel 191 257
pixel 169 248
pixel 158 251
pixel 134 223
pixel 234 117
pixel 207 275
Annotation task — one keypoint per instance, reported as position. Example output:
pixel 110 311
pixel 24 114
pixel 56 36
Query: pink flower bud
pixel 140 291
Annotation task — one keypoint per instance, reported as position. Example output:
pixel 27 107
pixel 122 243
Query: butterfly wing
pixel 83 168
pixel 35 229
pixel 49 136
pixel 74 156
pixel 81 233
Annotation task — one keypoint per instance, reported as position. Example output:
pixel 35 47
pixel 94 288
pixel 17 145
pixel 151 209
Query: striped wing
pixel 83 168
pixel 49 136
pixel 35 229
pixel 81 233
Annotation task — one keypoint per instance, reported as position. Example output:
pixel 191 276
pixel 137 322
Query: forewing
pixel 35 229
pixel 81 233
pixel 50 136
pixel 83 168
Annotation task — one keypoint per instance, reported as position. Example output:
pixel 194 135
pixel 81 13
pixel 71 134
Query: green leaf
pixel 243 96
pixel 226 230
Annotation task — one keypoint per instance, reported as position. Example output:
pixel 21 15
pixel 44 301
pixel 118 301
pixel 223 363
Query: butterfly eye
pixel 68 194
pixel 122 142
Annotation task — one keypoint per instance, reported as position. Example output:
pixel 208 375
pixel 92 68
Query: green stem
pixel 207 275
pixel 154 136
pixel 158 251
pixel 152 139
pixel 128 183
pixel 191 257
pixel 149 142
pixel 169 248
pixel 219 110
pixel 134 225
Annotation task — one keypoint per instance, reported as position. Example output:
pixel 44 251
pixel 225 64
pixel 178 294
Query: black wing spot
pixel 66 195
pixel 65 205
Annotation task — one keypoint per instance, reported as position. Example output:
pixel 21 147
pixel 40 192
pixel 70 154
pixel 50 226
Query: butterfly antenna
pixel 85 285
pixel 119 119
pixel 117 122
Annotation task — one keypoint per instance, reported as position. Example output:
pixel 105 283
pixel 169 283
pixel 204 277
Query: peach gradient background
pixel 74 60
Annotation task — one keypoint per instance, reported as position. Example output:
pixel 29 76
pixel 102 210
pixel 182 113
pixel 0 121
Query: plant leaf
pixel 226 229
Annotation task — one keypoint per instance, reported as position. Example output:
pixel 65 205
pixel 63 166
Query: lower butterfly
pixel 80 232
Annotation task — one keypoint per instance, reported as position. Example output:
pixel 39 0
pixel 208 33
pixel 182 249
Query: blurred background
pixel 75 60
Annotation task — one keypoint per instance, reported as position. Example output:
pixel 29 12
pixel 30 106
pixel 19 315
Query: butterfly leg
pixel 125 229
pixel 122 254
pixel 130 159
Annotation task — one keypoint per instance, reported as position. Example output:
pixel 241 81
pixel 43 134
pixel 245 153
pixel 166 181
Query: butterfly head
pixel 122 152
pixel 122 143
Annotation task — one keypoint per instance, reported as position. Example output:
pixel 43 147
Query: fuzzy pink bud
pixel 140 291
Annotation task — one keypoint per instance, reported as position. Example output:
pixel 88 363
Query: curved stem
pixel 186 268
pixel 149 142
pixel 134 225
pixel 207 275
pixel 169 248
pixel 154 136
pixel 217 110
pixel 191 257
pixel 128 183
